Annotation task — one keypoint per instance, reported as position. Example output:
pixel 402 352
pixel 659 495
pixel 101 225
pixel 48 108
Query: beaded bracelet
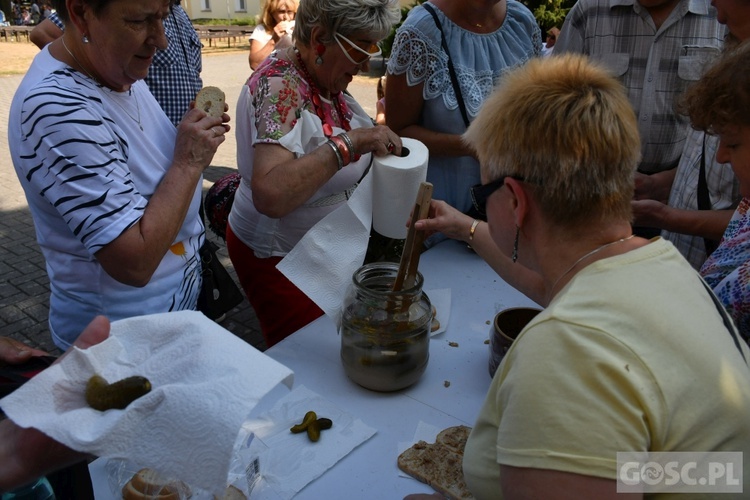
pixel 344 150
pixel 337 153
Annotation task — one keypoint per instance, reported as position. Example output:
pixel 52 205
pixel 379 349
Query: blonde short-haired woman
pixel 632 352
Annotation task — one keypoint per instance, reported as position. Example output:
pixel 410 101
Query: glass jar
pixel 38 490
pixel 385 334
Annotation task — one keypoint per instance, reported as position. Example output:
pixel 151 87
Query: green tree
pixel 387 44
pixel 549 13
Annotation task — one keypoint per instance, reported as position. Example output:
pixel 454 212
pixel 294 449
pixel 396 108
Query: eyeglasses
pixel 356 54
pixel 480 192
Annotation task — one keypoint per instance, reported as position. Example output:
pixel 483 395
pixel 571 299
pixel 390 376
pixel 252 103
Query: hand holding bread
pixel 202 129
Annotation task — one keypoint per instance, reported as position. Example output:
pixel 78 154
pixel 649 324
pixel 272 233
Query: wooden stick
pixel 407 269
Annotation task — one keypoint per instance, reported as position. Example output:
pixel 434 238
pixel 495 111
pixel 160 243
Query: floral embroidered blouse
pixel 276 107
pixel 727 270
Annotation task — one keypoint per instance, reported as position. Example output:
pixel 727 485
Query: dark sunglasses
pixel 480 192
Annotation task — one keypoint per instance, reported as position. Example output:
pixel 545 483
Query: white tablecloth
pixel 450 392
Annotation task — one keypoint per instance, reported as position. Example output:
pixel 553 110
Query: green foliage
pixel 549 13
pixel 387 44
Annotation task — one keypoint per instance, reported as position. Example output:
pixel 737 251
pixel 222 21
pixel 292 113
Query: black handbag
pixel 219 293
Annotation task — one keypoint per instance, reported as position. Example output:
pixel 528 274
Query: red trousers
pixel 281 307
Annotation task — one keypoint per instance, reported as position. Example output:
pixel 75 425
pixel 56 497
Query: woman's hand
pixel 445 219
pixel 655 186
pixel 199 136
pixel 282 29
pixel 14 352
pixel 379 140
pixel 649 213
pixel 27 453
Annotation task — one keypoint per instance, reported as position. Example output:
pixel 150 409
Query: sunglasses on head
pixel 480 192
pixel 355 53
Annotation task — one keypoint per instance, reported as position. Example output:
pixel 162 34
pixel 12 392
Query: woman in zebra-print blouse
pixel 113 187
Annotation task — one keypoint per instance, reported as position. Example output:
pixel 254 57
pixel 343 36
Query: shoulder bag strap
pixel 704 198
pixel 451 69
pixel 728 323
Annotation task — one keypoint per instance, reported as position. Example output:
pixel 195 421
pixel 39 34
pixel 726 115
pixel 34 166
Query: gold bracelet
pixel 473 228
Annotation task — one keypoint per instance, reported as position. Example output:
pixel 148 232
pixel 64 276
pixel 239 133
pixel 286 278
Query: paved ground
pixel 24 294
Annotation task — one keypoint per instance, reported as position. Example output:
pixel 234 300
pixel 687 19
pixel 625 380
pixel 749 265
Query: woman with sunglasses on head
pixel 632 352
pixel 303 144
pixel 275 30
pixel 475 40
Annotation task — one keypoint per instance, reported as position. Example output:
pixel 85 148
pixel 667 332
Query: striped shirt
pixel 88 170
pixel 654 65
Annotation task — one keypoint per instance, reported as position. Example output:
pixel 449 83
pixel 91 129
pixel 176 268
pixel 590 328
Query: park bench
pixel 232 34
pixel 15 33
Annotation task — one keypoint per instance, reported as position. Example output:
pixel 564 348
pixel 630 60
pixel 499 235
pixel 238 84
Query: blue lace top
pixel 479 60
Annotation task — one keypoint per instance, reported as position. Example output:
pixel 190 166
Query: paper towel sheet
pixel 292 460
pixel 205 381
pixel 324 260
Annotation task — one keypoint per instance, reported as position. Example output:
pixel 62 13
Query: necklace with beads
pixel 317 104
pixel 586 256
pixel 114 99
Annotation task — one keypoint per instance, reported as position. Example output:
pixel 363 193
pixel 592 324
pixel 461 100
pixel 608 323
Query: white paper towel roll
pixel 395 185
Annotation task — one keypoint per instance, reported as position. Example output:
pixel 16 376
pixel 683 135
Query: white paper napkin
pixel 205 382
pixel 292 460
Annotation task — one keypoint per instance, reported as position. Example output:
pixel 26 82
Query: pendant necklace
pixel 114 98
pixel 317 104
pixel 586 256
pixel 132 92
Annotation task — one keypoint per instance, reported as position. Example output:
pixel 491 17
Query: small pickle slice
pixel 324 423
pixel 103 396
pixel 321 424
pixel 310 417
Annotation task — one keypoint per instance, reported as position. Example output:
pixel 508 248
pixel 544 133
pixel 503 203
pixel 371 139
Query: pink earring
pixel 320 49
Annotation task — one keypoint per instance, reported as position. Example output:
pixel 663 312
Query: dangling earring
pixel 320 49
pixel 85 39
pixel 514 256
